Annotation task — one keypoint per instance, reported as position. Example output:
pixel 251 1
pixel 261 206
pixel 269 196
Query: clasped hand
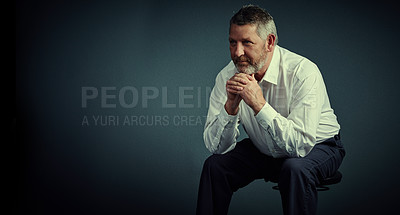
pixel 243 87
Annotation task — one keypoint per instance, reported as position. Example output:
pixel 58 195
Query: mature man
pixel 281 100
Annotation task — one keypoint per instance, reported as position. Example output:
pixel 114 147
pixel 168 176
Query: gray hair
pixel 254 15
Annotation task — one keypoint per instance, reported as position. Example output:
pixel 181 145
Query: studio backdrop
pixel 112 97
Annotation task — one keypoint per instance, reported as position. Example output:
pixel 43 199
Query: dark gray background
pixel 62 46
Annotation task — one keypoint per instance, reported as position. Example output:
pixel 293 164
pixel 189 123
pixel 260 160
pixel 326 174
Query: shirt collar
pixel 271 75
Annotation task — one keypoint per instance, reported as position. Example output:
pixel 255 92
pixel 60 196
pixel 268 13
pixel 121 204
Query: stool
pixel 336 178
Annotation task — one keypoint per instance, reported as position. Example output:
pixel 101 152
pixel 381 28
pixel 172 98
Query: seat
pixel 323 186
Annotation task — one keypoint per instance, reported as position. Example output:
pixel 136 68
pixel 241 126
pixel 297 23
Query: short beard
pixel 253 67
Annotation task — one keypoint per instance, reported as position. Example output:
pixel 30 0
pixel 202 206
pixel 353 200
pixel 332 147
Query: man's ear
pixel 270 43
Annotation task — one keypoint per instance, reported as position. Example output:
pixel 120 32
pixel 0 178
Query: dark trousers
pixel 297 177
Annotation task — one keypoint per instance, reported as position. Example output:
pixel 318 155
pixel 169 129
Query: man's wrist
pixel 258 106
pixel 231 108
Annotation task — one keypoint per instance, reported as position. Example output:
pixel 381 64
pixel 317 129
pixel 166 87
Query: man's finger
pixel 252 78
pixel 243 75
pixel 234 87
pixel 233 91
pixel 242 80
pixel 235 83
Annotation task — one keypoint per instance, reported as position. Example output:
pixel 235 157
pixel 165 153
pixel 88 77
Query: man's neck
pixel 260 74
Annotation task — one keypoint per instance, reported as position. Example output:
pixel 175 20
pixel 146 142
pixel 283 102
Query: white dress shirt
pixel 297 114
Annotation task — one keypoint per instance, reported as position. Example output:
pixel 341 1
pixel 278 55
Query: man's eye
pixel 247 42
pixel 232 42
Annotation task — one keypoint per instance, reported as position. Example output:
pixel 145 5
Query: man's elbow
pixel 212 147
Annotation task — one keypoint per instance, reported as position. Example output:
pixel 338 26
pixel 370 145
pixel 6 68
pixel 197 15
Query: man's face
pixel 248 50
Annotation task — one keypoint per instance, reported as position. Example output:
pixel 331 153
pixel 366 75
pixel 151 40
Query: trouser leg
pixel 224 174
pixel 299 177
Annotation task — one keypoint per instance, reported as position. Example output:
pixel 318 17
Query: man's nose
pixel 239 50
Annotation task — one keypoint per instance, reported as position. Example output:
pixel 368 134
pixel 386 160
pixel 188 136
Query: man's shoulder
pixel 292 59
pixel 297 64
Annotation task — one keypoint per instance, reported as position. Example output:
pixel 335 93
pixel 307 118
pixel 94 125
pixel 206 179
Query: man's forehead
pixel 243 31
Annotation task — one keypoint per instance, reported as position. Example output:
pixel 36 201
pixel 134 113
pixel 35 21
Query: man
pixel 281 100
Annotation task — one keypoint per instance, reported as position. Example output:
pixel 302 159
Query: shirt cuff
pixel 228 120
pixel 266 115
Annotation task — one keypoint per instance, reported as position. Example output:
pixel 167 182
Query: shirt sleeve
pixel 221 129
pixel 296 134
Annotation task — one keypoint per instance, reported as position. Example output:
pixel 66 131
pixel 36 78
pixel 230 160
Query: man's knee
pixel 293 165
pixel 296 168
pixel 213 163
